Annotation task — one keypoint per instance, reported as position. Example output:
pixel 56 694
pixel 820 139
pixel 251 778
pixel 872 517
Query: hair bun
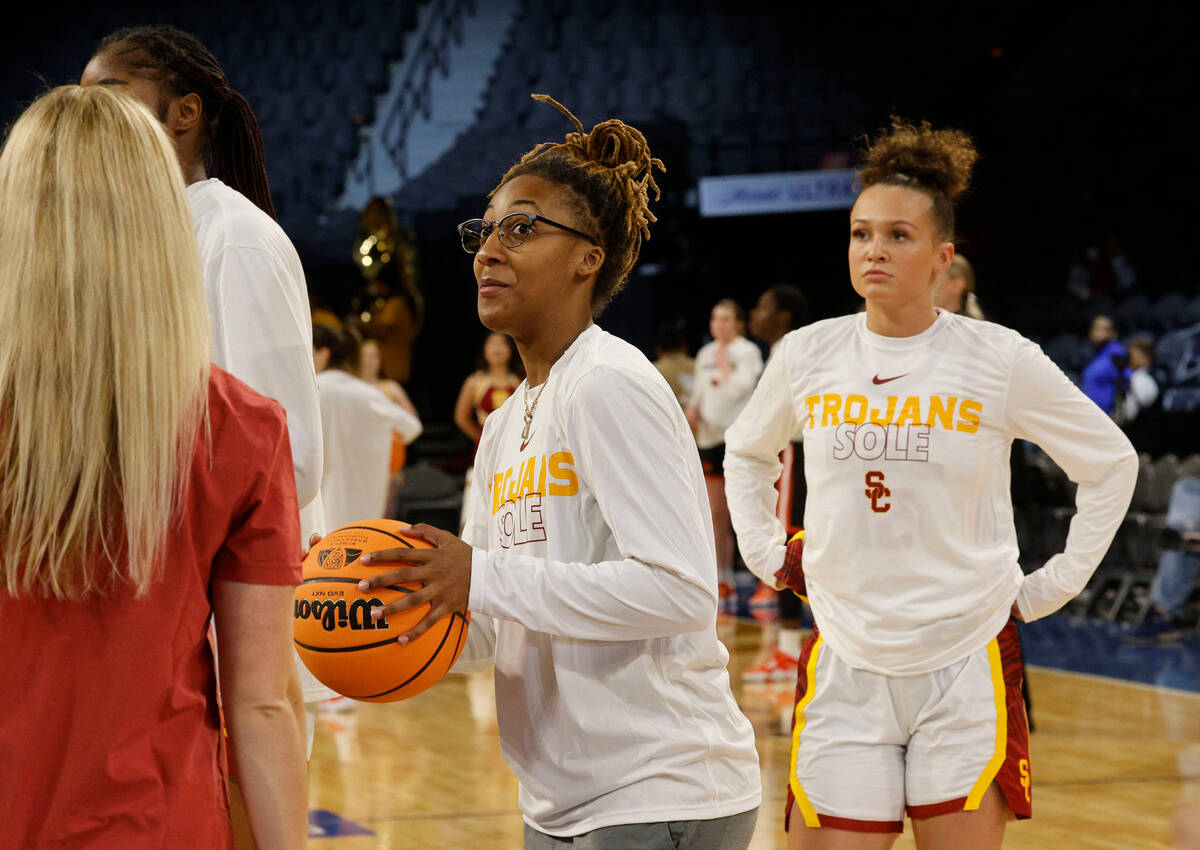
pixel 612 144
pixel 939 160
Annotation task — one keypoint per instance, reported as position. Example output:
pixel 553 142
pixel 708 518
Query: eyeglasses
pixel 515 228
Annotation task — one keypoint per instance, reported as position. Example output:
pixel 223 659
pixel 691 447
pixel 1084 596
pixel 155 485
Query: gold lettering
pixel 891 411
pixel 943 410
pixel 811 403
pixel 497 491
pixel 860 415
pixel 566 482
pixel 969 411
pixel 830 408
pixel 511 483
pixel 910 414
pixel 527 479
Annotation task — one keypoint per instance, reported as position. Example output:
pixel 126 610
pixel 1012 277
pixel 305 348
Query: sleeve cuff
pixel 479 567
pixel 773 565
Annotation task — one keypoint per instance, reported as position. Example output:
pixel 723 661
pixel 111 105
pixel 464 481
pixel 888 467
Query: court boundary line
pixel 1114 780
pixel 1108 680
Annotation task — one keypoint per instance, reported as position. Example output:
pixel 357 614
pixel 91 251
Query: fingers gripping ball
pixel 339 642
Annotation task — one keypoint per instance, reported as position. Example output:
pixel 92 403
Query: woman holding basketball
pixel 143 493
pixel 909 695
pixel 588 558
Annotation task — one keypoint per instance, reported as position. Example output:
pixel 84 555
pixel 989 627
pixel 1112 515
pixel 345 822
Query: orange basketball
pixel 339 642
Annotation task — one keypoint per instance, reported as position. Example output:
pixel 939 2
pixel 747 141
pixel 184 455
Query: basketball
pixel 339 642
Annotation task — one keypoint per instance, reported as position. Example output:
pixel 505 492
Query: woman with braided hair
pixel 909 692
pixel 587 559
pixel 257 297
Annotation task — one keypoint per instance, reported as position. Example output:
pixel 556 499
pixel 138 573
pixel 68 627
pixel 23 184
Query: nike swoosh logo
pixel 526 442
pixel 879 380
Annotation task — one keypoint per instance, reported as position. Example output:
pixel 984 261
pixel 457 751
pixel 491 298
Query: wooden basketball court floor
pixel 1111 761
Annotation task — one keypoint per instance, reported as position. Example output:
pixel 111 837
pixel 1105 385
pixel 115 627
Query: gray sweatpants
pixel 728 833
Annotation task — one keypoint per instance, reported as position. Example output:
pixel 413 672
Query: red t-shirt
pixel 109 736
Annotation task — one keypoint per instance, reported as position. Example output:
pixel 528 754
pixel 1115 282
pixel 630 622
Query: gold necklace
pixel 530 408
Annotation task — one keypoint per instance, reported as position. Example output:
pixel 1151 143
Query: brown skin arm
pixel 444 572
pixel 463 417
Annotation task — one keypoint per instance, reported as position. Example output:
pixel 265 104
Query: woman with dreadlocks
pixel 588 559
pixel 257 298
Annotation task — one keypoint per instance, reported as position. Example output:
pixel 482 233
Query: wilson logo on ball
pixel 336 614
pixel 335 559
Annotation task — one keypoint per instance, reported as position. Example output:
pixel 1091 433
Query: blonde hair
pixel 961 269
pixel 103 345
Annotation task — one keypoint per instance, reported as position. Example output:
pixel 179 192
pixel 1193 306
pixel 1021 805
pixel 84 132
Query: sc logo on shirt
pixel 877 492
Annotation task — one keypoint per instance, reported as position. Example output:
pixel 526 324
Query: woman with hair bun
pixel 587 559
pixel 909 688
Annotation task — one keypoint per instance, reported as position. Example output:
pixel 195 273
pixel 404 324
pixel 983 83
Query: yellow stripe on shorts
pixel 806 809
pixel 993 766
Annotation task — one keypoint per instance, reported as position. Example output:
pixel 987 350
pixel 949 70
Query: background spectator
pixel 673 361
pixel 357 423
pixel 1102 374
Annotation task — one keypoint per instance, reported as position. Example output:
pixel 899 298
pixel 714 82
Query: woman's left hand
pixel 444 571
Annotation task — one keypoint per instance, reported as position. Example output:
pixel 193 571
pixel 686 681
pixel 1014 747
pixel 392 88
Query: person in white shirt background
pixel 357 421
pixel 257 297
pixel 780 309
pixel 909 692
pixel 588 560
pixel 726 371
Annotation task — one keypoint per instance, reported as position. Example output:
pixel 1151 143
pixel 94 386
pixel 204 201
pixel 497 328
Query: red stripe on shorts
pixel 853 825
pixel 934 809
pixel 801 690
pixel 1015 779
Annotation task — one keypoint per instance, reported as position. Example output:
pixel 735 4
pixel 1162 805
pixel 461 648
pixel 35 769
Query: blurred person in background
pixel 390 307
pixel 726 371
pixel 144 494
pixel 357 422
pixel 370 364
pixel 780 310
pixel 1178 566
pixel 1101 376
pixel 673 361
pixel 1139 411
pixel 954 289
pixel 497 374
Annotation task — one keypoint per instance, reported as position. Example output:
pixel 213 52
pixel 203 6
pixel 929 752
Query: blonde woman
pixel 954 289
pixel 142 492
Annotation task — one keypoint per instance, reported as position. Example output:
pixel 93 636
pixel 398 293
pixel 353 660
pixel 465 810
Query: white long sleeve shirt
pixel 593 590
pixel 357 423
pixel 910 553
pixel 262 332
pixel 720 398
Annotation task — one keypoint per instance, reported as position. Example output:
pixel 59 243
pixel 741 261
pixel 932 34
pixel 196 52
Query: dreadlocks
pixel 177 60
pixel 609 170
